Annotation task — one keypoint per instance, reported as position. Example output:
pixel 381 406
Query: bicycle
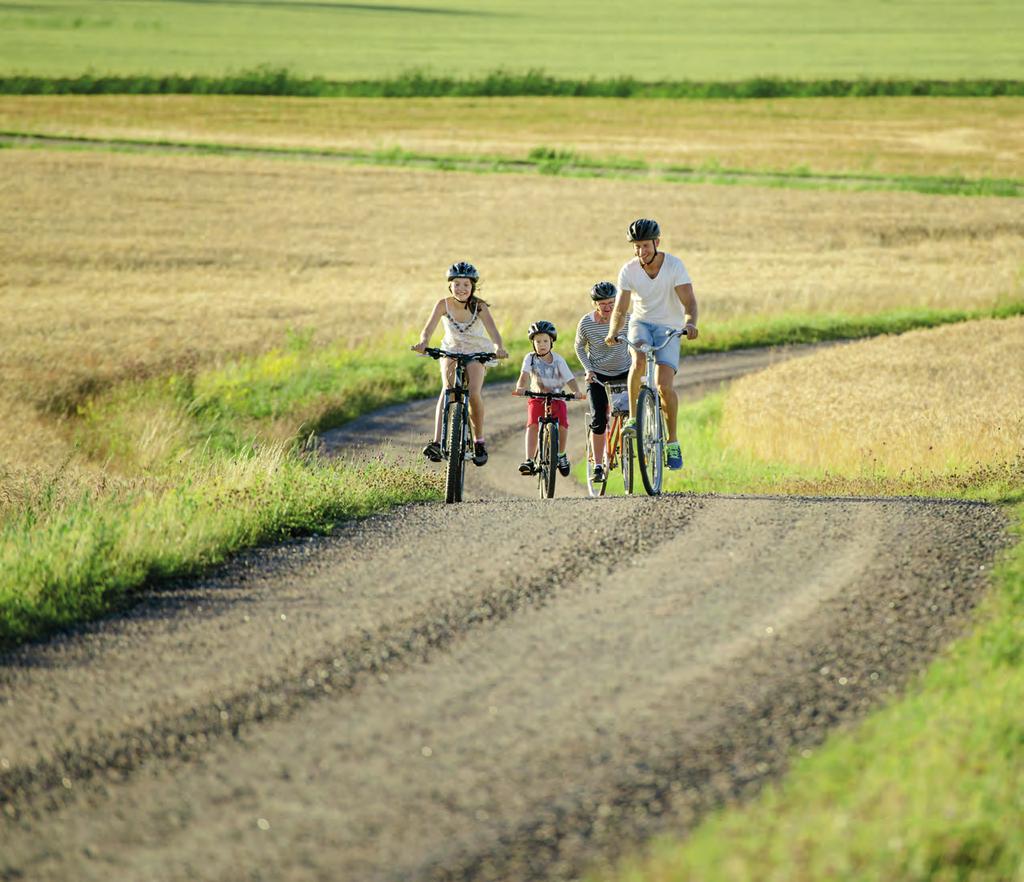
pixel 547 442
pixel 651 424
pixel 618 448
pixel 455 428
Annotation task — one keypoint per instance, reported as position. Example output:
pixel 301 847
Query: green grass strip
pixel 930 789
pixel 548 161
pixel 72 560
pixel 268 80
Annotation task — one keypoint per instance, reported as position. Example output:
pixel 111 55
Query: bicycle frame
pixel 547 442
pixel 651 422
pixel 455 426
pixel 615 451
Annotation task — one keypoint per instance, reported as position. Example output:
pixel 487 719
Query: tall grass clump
pixel 66 560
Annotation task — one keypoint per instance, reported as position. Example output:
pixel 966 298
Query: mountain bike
pixel 456 436
pixel 651 424
pixel 618 449
pixel 547 442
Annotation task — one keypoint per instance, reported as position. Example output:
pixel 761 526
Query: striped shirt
pixel 594 354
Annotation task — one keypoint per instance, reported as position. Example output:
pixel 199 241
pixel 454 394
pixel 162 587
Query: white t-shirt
pixel 545 377
pixel 654 300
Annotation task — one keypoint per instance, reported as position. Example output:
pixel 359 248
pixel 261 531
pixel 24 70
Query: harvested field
pixel 976 137
pixel 121 266
pixel 937 401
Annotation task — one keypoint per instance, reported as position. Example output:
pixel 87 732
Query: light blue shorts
pixel 656 335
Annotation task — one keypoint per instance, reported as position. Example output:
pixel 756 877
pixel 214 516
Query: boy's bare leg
pixel 669 399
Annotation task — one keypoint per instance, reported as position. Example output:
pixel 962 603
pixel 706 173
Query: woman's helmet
pixel 603 291
pixel 644 228
pixel 543 327
pixel 463 270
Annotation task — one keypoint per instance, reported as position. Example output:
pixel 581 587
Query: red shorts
pixel 535 410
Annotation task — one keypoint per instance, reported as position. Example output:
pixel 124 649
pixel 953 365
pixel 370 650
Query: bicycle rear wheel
pixel 650 441
pixel 456 453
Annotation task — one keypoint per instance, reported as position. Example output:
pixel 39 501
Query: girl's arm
pixel 492 331
pixel 428 328
pixel 522 384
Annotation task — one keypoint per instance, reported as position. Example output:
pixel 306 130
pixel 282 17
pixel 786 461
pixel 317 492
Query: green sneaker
pixel 629 428
pixel 675 455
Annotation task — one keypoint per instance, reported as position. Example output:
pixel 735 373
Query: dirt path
pixel 393 703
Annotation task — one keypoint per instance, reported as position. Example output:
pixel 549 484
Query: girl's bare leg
pixel 447 381
pixel 476 371
pixel 599 446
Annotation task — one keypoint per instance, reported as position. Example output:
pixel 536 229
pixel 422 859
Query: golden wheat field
pixel 931 402
pixel 975 137
pixel 115 266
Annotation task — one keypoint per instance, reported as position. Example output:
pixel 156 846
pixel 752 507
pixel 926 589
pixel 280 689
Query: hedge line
pixel 281 81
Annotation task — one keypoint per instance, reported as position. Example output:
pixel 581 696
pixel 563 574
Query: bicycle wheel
pixel 552 458
pixel 650 445
pixel 592 488
pixel 456 453
pixel 612 456
pixel 626 446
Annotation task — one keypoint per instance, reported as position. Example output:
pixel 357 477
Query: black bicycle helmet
pixel 463 270
pixel 644 228
pixel 543 327
pixel 603 291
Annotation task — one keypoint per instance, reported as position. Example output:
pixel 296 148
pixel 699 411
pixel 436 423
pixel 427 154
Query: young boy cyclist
pixel 545 371
pixel 603 364
pixel 468 327
pixel 656 287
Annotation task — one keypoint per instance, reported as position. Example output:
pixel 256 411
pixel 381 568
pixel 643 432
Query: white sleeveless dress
pixel 465 336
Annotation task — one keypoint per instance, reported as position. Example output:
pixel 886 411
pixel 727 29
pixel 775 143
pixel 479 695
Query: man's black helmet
pixel 463 270
pixel 543 327
pixel 644 228
pixel 603 291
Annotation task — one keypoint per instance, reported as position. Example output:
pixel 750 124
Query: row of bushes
pixel 415 84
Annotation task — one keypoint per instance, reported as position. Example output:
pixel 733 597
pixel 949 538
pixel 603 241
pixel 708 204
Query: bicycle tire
pixel 592 488
pixel 650 444
pixel 456 453
pixel 552 475
pixel 612 440
pixel 628 475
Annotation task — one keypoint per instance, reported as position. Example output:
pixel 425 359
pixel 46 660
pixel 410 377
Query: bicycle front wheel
pixel 456 453
pixel 592 488
pixel 650 441
pixel 548 460
pixel 627 464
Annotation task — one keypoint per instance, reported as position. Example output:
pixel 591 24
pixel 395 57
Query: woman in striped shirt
pixel 603 364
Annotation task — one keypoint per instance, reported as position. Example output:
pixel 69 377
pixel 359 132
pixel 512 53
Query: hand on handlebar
pixel 691 331
pixel 419 347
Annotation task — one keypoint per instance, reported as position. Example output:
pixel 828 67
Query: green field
pixel 575 39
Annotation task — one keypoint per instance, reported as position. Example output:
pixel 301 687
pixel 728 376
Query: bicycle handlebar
pixel 565 396
pixel 622 338
pixel 481 357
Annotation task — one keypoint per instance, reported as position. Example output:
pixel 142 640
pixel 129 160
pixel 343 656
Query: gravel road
pixel 394 702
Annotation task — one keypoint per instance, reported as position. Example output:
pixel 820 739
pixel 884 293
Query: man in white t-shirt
pixel 656 288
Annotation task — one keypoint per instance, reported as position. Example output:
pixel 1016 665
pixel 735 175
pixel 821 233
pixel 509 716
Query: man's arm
pixel 618 319
pixel 689 302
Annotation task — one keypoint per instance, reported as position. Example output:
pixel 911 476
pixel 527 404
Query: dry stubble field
pixel 116 266
pixel 974 137
pixel 937 401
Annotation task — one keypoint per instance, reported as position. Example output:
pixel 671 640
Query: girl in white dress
pixel 468 327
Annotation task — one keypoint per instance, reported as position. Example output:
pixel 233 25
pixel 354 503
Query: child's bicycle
pixel 455 429
pixel 618 448
pixel 547 442
pixel 651 425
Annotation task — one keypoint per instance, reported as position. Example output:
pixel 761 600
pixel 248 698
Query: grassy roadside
pixel 196 467
pixel 555 162
pixel 929 788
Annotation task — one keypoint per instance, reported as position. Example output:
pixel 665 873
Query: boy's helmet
pixel 543 327
pixel 463 270
pixel 644 228
pixel 603 291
